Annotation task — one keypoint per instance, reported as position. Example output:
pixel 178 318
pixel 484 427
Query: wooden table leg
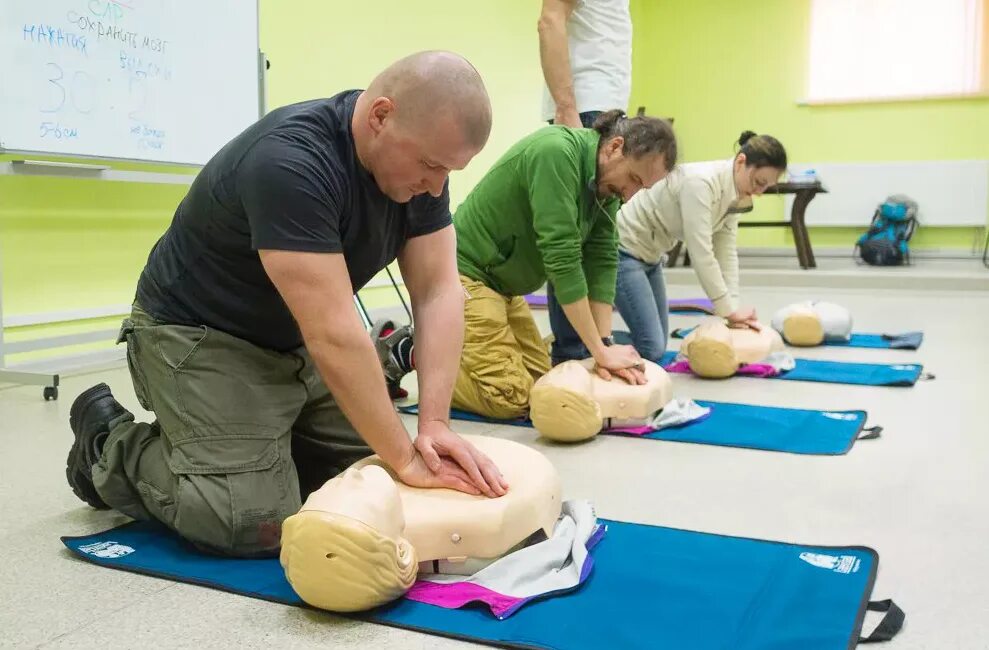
pixel 671 257
pixel 805 254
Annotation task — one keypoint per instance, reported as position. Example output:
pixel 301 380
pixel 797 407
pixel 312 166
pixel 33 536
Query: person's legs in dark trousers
pixel 324 443
pixel 567 345
pixel 217 465
pixel 641 301
pixel 587 118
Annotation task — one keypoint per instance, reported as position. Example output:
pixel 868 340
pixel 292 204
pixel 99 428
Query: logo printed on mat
pixel 840 416
pixel 836 563
pixel 108 550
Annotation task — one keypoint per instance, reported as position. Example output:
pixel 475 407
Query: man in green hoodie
pixel 546 211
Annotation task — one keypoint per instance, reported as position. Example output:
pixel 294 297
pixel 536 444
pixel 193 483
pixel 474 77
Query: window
pixel 862 50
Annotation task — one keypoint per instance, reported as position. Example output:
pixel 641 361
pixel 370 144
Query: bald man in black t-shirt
pixel 244 340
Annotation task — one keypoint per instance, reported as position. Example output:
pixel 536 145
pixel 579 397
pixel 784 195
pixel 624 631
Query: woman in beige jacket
pixel 695 204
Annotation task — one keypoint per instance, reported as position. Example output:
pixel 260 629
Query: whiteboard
pixel 948 192
pixel 155 80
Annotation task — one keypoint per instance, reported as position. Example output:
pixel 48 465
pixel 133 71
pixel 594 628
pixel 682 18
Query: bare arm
pixel 429 268
pixel 316 287
pixel 601 312
pixel 554 55
pixel 580 315
pixel 619 360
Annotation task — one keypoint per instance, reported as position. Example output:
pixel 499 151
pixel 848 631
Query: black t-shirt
pixel 292 181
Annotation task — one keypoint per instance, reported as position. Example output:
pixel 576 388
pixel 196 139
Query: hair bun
pixel 745 137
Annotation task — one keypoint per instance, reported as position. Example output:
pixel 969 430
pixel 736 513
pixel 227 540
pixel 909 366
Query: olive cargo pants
pixel 242 435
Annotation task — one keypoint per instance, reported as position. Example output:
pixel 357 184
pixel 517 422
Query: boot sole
pixel 81 484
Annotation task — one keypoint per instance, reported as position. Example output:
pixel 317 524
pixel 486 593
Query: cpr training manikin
pixel 716 351
pixel 812 323
pixel 364 537
pixel 571 402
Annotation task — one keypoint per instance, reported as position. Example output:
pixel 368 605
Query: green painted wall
pixel 498 36
pixel 722 66
pixel 70 244
pixel 67 244
pixel 717 66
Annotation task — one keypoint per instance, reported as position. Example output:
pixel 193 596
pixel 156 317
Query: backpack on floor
pixel 886 242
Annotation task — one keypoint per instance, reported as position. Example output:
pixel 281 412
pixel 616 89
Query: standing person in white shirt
pixel 585 47
pixel 695 204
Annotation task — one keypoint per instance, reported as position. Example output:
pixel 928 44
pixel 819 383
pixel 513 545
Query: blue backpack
pixel 893 224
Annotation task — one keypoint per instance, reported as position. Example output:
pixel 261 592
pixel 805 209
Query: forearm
pixel 697 201
pixel 554 55
pixel 439 343
pixel 709 274
pixel 345 358
pixel 601 312
pixel 726 252
pixel 585 324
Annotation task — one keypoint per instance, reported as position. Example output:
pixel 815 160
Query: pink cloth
pixel 749 369
pixel 635 431
pixel 456 595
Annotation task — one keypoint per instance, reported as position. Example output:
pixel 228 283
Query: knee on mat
pixel 500 397
pixel 233 514
pixel 652 350
pixel 500 409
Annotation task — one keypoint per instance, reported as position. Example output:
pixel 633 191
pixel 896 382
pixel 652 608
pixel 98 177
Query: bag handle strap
pixel 870 433
pixel 891 623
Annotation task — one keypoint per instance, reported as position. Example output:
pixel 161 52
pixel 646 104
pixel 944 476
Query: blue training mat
pixel 797 431
pixel 652 587
pixel 905 341
pixel 842 372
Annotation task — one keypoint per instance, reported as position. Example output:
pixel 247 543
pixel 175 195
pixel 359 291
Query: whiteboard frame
pixel 262 109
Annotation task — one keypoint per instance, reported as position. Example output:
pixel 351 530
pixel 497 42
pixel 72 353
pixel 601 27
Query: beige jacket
pixel 691 205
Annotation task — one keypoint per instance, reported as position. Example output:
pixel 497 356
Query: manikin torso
pixel 447 525
pixel 360 540
pixel 715 350
pixel 571 402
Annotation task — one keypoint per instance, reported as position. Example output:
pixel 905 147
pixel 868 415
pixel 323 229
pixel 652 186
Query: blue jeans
pixel 587 118
pixel 641 300
pixel 567 345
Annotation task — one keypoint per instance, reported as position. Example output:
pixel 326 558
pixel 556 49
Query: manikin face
pixel 621 176
pixel 343 551
pixel 368 495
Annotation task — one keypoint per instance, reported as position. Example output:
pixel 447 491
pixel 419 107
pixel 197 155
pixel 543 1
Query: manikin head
pixel 633 153
pixel 421 118
pixel 344 550
pixel 716 351
pixel 356 542
pixel 571 403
